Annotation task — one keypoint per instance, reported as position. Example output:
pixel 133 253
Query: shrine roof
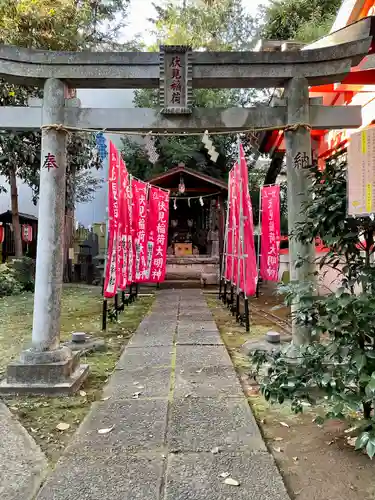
pixel 177 171
pixel 7 217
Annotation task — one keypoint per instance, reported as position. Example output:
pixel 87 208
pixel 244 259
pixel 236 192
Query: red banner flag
pixel 112 272
pixel 157 234
pixel 229 235
pixel 270 239
pixel 140 216
pixel 249 275
pixel 123 226
pixel 130 231
pixel 236 224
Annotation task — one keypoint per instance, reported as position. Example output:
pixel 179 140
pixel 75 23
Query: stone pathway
pixel 173 399
pixel 23 465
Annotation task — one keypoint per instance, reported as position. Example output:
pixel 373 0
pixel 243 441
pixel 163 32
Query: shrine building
pixel 196 225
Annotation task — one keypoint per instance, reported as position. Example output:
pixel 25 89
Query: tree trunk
pixel 68 225
pixel 15 214
pixel 68 229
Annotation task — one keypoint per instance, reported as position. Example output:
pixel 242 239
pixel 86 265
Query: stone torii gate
pixel 47 367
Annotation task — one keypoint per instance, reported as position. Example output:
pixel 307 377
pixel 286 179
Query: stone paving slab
pixel 196 476
pixel 198 424
pixel 194 325
pixel 196 316
pixel 213 381
pixel 148 357
pixel 160 334
pixel 196 306
pixel 139 424
pixel 199 337
pixel 96 476
pixel 23 465
pixel 202 355
pixel 149 382
pixel 159 323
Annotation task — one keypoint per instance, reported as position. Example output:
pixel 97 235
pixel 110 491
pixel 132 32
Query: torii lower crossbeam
pixel 213 120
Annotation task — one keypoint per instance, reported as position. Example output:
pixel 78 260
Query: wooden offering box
pixel 182 249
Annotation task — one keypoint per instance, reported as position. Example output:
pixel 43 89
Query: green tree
pixel 211 25
pixel 57 25
pixel 302 20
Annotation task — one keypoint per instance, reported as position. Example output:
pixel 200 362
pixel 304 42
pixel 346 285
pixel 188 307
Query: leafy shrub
pixel 341 366
pixel 9 284
pixel 24 269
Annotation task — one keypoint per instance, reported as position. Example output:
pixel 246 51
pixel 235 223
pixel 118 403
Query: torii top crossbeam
pixel 208 69
pixel 322 65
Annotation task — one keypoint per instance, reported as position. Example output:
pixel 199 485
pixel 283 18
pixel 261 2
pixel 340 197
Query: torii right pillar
pixel 298 160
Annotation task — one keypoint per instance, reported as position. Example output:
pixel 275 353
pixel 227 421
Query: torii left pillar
pixel 46 367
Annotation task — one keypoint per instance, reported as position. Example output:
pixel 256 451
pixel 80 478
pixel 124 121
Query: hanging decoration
pixel 174 203
pixel 209 145
pixel 101 145
pixel 27 233
pixel 151 148
pixel 181 186
pixel 2 233
pixel 201 201
pixel 188 202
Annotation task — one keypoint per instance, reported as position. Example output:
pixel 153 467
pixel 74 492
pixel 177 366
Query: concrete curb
pixel 23 465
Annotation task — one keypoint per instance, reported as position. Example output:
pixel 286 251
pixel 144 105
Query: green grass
pixel 81 311
pixel 234 336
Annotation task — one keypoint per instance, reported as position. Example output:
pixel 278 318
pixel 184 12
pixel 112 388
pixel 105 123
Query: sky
pixel 141 10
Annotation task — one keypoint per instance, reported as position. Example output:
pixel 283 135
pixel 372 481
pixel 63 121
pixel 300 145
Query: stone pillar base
pixel 48 373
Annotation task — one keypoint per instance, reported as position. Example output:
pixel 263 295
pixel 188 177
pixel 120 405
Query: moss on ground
pixel 81 311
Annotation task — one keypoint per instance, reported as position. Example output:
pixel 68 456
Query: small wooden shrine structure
pixel 196 224
pixel 7 249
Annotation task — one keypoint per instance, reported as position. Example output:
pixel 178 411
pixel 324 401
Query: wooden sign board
pixel 175 79
pixel 361 173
